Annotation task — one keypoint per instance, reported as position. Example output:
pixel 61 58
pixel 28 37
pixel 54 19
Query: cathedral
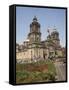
pixel 34 49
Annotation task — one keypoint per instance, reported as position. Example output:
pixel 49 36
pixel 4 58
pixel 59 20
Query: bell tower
pixel 35 34
pixel 55 37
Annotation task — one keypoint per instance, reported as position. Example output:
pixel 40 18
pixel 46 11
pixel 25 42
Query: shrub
pixel 35 72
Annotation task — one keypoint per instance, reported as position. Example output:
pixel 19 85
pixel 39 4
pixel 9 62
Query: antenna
pixel 48 30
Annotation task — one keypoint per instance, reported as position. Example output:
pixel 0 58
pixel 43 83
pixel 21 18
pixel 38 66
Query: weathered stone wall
pixel 36 53
pixel 59 53
pixel 30 54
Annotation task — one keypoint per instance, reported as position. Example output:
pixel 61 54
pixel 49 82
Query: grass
pixel 41 71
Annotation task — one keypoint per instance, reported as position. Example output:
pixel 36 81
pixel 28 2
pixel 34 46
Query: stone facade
pixel 34 48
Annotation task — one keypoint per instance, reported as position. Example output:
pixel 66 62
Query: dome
pixel 35 19
pixel 54 32
pixel 35 22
